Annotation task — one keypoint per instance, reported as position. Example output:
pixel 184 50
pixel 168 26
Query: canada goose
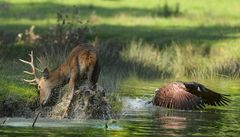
pixel 187 96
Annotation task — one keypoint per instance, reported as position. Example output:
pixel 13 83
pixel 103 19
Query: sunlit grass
pixel 12 84
pixel 135 13
pixel 181 61
pixel 202 42
pixel 27 22
pixel 10 89
pixel 133 86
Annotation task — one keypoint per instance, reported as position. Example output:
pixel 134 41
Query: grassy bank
pixel 148 40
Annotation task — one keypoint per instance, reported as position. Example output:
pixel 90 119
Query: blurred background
pixel 141 43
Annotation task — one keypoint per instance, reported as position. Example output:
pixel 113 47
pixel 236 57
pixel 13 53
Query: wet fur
pixel 83 61
pixel 81 65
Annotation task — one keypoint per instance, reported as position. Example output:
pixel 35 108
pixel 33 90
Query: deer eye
pixel 39 87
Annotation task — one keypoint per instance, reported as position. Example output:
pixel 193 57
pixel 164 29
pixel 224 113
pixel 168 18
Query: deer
pixel 81 64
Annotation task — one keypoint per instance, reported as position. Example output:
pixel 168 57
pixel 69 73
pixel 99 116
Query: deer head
pixel 43 84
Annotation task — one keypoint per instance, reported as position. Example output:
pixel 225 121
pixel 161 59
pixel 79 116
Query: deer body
pixel 81 64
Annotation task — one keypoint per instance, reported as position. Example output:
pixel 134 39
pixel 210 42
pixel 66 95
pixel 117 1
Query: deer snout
pixel 43 103
pixel 44 96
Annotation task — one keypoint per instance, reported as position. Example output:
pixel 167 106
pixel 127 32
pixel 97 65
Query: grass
pixel 136 41
pixel 190 61
pixel 134 87
pixel 12 85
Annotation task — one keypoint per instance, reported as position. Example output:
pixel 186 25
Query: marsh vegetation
pixel 141 45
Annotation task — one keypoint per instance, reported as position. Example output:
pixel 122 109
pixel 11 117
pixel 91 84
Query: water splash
pixel 86 103
pixel 110 127
pixel 135 103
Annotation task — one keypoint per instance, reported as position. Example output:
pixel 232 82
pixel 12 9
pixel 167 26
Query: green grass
pixel 12 84
pixel 133 86
pixel 134 40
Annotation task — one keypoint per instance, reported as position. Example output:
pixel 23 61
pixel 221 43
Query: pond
pixel 139 118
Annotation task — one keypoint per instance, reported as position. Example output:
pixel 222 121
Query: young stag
pixel 81 64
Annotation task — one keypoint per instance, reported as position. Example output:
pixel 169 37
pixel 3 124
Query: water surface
pixel 141 119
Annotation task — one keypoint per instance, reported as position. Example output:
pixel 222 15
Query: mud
pixel 10 107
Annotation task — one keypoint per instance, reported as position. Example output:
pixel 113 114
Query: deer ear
pixel 45 73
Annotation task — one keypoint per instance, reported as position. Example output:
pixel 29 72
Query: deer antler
pixel 35 80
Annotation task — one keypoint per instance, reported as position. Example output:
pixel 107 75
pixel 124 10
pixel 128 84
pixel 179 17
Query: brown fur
pixel 82 63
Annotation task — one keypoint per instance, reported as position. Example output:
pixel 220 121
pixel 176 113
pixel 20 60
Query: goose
pixel 187 96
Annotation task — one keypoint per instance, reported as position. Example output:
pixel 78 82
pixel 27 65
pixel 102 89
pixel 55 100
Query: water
pixel 141 119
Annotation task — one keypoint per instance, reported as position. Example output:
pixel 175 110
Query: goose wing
pixel 207 96
pixel 187 96
pixel 176 96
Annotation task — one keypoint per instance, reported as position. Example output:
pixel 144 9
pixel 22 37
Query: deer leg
pixel 89 76
pixel 70 92
pixel 94 75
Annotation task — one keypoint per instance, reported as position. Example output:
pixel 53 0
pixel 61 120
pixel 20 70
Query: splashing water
pixel 140 119
pixel 85 103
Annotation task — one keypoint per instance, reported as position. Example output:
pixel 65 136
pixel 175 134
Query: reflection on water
pixel 173 122
pixel 140 119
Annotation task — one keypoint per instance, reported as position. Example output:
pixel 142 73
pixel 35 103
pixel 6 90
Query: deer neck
pixel 57 77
